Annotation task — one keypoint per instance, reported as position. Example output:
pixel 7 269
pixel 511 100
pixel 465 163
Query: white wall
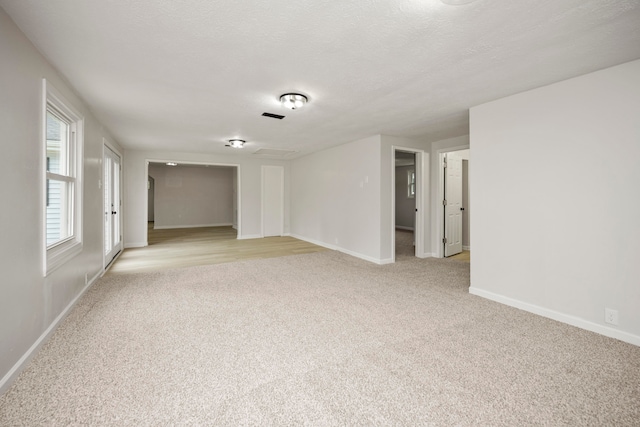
pixel 249 185
pixel 192 196
pixel 30 304
pixel 556 232
pixel 342 197
pixel 335 197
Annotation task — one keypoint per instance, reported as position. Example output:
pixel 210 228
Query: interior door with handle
pixel 112 204
pixel 453 205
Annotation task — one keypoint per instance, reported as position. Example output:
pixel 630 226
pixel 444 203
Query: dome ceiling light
pixel 293 100
pixel 236 143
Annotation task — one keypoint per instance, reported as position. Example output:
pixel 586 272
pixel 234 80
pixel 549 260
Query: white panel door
pixel 453 207
pixel 112 204
pixel 272 201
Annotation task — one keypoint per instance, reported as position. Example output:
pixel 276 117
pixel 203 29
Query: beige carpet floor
pixel 318 339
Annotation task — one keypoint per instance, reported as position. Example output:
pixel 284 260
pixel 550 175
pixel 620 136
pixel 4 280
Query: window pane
pixel 57 144
pixel 59 210
pixel 411 183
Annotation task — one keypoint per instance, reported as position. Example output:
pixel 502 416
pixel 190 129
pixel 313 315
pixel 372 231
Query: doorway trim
pixel 438 225
pixel 106 144
pixel 419 226
pixel 186 162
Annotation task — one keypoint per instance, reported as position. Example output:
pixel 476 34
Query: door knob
pixel 461 209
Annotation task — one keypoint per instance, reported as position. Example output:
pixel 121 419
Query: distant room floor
pixel 185 247
pixel 405 247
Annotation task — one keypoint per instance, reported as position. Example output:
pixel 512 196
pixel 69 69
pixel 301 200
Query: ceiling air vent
pixel 273 116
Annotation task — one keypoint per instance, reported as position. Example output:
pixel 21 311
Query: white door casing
pixel 272 201
pixel 453 205
pixel 112 205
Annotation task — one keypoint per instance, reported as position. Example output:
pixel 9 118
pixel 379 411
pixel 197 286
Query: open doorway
pixel 405 203
pixel 151 204
pixel 186 196
pixel 455 207
pixel 408 196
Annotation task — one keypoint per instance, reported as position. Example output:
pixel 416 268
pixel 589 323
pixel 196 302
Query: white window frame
pixel 411 183
pixel 60 252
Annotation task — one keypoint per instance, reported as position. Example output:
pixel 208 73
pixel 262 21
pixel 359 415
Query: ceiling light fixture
pixel 236 143
pixel 172 164
pixel 293 100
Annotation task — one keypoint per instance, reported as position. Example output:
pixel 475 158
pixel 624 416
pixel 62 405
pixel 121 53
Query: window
pixel 411 183
pixel 63 165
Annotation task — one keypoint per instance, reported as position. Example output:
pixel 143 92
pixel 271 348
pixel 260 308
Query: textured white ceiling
pixel 189 75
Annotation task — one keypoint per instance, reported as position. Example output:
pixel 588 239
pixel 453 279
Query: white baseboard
pixel 250 236
pixel 315 242
pixel 135 245
pixel 366 257
pixel 560 317
pixel 425 255
pixel 98 275
pixel 466 248
pixel 168 227
pixel 343 250
pixel 13 373
pixel 402 227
